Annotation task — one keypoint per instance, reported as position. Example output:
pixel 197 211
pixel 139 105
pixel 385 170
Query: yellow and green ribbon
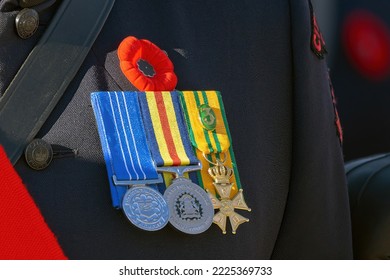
pixel 209 133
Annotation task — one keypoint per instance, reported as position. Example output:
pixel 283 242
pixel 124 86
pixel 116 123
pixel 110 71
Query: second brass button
pixel 27 22
pixel 38 154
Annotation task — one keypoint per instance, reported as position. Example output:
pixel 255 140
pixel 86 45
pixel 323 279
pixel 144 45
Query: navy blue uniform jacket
pixel 279 107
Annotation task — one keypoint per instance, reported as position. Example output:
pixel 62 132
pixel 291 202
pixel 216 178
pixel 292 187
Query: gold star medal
pixel 209 134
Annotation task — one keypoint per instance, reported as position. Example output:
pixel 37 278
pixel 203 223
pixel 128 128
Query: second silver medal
pixel 189 205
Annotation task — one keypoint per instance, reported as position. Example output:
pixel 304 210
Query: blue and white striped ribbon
pixel 123 140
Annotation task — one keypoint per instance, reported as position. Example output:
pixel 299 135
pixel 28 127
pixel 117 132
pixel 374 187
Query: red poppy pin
pixel 317 41
pixel 145 65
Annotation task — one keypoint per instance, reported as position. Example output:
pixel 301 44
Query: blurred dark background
pixel 357 36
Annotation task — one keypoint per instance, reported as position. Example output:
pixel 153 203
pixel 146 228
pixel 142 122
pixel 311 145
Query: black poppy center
pixel 146 68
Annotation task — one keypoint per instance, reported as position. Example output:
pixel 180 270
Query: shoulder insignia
pixel 336 114
pixel 317 40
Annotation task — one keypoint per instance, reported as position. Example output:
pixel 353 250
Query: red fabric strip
pixel 24 235
pixel 166 128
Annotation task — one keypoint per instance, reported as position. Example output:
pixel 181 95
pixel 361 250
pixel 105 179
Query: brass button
pixel 27 22
pixel 38 154
pixel 30 3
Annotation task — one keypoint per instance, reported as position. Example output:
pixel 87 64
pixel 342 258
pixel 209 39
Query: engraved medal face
pixel 190 207
pixel 145 208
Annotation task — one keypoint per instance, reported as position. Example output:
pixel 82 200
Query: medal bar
pixel 209 133
pixel 190 207
pixel 132 172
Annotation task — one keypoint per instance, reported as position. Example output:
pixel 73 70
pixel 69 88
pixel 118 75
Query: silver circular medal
pixel 190 206
pixel 145 208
